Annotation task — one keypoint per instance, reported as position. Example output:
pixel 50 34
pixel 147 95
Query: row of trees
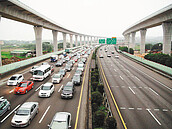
pixel 125 49
pixel 99 111
pixel 161 58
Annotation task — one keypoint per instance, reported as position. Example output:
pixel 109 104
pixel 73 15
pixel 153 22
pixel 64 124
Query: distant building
pixel 22 53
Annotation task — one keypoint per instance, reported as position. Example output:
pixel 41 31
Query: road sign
pixel 108 41
pixel 101 41
pixel 113 40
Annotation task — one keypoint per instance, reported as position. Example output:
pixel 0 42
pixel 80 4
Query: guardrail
pixel 157 66
pixel 16 65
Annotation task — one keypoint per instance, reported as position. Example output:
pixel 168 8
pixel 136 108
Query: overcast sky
pixel 93 17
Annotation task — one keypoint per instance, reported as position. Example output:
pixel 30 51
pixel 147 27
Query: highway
pixel 47 106
pixel 143 96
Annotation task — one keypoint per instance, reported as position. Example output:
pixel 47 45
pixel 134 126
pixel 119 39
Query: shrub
pixel 97 98
pixel 168 62
pixel 96 74
pixel 93 78
pixel 101 88
pixel 131 51
pixel 94 107
pixel 111 123
pixel 99 118
pixel 94 85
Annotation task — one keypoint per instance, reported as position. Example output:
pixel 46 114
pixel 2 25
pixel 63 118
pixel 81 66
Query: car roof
pixel 17 75
pixel 61 116
pixel 48 84
pixel 69 83
pixel 28 104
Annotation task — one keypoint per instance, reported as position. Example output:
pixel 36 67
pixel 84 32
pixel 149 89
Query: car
pixel 57 78
pixel 52 68
pixel 61 120
pixel 80 68
pixel 23 87
pixel 67 58
pixel 59 63
pixel 70 63
pixel 112 52
pixel 109 55
pixel 15 80
pixel 76 79
pixel 61 56
pixel 117 56
pixel 101 56
pixel 106 50
pixel 79 72
pixel 75 59
pixel 86 55
pixel 44 63
pixel 4 105
pixel 46 90
pixel 80 63
pixel 25 113
pixel 68 90
pixel 68 67
pixel 62 71
pixel 84 60
pixel 33 68
pixel 64 60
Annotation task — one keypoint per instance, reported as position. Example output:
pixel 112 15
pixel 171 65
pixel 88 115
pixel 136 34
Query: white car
pixel 25 114
pixel 109 55
pixel 80 63
pixel 33 68
pixel 46 90
pixel 101 56
pixel 61 120
pixel 15 79
pixel 117 56
pixel 80 68
pixel 56 78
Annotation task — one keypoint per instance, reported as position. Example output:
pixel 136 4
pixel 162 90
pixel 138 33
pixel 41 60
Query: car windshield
pixel 76 77
pixel 13 78
pixel 56 76
pixel 45 88
pixel 67 88
pixel 78 71
pixel 23 112
pixel 37 72
pixel 22 85
pixel 80 66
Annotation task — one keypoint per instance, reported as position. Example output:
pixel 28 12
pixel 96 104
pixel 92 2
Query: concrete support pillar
pixel 55 32
pixel 76 40
pixel 1 43
pixel 84 41
pixel 64 41
pixel 88 40
pixel 143 37
pixel 80 40
pixel 167 37
pixel 38 39
pixel 133 34
pixel 71 42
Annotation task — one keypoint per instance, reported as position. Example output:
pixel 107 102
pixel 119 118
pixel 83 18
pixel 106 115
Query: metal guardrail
pixel 16 65
pixel 160 67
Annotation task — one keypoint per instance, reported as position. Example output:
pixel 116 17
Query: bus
pixel 41 72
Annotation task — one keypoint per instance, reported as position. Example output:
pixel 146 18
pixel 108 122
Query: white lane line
pixel 38 88
pixel 44 114
pixel 165 110
pixel 132 90
pixel 68 76
pixel 151 77
pixel 123 86
pixel 123 108
pixel 10 113
pixel 131 108
pixel 156 109
pixel 115 70
pixel 139 108
pixel 153 91
pixel 137 78
pixel 11 91
pixel 154 117
pixel 121 77
pixel 60 88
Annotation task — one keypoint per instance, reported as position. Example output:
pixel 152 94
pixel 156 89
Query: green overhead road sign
pixel 111 41
pixel 101 41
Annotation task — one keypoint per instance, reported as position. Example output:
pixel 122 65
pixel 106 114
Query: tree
pixel 111 123
pixel 97 98
pixel 131 51
pixel 94 85
pixel 94 107
pixel 99 118
pixel 101 88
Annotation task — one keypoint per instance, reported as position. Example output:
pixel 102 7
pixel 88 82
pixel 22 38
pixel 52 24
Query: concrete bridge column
pixel 143 37
pixel 71 43
pixel 133 34
pixel 76 40
pixel 128 41
pixel 167 36
pixel 80 40
pixel 1 43
pixel 87 40
pixel 64 41
pixel 38 38
pixel 55 32
pixel 84 41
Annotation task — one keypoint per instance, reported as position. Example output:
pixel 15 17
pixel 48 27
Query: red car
pixel 75 59
pixel 23 87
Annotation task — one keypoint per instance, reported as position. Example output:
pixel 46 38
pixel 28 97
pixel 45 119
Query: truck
pixel 54 58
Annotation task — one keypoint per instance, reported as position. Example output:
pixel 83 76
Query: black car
pixel 76 79
pixel 68 90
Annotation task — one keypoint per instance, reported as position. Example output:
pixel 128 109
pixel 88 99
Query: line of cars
pixel 26 112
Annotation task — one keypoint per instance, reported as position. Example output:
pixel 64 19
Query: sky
pixel 108 18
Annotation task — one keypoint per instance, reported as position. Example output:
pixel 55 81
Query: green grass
pixel 6 54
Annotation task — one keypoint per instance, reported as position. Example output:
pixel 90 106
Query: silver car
pixel 61 120
pixel 4 105
pixel 25 114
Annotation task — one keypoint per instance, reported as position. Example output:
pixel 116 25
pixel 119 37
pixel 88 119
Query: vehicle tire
pixel 26 92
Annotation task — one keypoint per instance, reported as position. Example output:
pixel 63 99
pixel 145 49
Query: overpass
pixel 15 10
pixel 162 17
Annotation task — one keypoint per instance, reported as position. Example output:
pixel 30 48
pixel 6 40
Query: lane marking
pixel 11 91
pixel 139 108
pixel 123 108
pixel 125 127
pixel 154 91
pixel 165 110
pixel 137 78
pixel 115 70
pixel 131 108
pixel 38 88
pixel 156 109
pixel 154 117
pixel 10 113
pixel 68 76
pixel 60 88
pixel 132 90
pixel 44 114
pixel 121 77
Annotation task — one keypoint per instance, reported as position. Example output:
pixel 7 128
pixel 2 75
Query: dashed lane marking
pixel 60 88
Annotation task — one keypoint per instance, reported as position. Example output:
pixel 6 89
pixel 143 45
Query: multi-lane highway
pixel 47 106
pixel 144 98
